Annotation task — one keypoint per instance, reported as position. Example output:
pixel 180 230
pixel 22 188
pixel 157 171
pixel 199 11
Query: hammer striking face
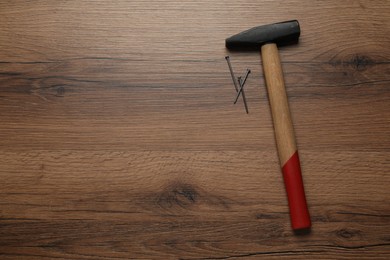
pixel 280 33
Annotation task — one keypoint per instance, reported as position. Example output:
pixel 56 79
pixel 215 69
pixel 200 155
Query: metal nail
pixel 243 94
pixel 248 71
pixel 232 73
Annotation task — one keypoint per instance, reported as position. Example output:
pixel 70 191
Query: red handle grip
pixel 299 214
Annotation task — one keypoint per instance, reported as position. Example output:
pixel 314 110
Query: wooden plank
pixel 111 123
pixel 197 204
pixel 185 30
pixel 119 139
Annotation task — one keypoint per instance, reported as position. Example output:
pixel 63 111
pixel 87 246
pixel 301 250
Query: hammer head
pixel 280 33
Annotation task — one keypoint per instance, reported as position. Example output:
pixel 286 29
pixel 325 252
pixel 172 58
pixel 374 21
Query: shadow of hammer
pixel 268 37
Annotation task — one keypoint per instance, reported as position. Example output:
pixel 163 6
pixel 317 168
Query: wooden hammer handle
pixel 285 138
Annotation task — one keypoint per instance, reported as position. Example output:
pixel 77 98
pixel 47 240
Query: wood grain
pixel 119 138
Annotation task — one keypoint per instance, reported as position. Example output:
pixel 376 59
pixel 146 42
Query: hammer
pixel 268 37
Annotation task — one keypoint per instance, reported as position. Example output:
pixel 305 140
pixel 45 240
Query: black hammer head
pixel 280 33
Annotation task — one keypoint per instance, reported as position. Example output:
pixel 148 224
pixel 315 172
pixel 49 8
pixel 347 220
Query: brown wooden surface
pixel 119 138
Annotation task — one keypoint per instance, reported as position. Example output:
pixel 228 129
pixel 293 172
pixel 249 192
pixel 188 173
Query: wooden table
pixel 119 138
